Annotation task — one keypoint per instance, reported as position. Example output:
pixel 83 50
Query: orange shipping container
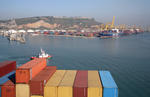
pixel 8 89
pixel 30 69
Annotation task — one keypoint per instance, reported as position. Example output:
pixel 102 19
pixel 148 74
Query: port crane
pixel 110 25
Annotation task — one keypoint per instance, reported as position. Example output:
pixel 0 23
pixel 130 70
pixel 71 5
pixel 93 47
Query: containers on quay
pixel 51 88
pixel 22 90
pixel 4 79
pixel 80 84
pixel 6 67
pixel 94 84
pixel 38 82
pixel 65 88
pixel 29 70
pixel 110 88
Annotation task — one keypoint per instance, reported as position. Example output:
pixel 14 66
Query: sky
pixel 131 12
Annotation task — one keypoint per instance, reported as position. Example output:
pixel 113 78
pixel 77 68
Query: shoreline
pixel 64 36
pixel 71 36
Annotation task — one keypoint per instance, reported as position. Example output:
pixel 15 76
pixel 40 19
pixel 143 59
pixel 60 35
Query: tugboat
pixel 42 55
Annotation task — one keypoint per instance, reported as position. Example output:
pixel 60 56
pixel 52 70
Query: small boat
pixel 42 55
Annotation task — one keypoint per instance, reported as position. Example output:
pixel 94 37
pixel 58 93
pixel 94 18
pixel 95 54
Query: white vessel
pixel 42 55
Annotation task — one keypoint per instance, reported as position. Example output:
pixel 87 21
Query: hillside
pixel 53 22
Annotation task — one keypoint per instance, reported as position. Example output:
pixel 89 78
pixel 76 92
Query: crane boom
pixel 112 24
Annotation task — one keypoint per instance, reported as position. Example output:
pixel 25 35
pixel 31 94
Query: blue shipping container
pixel 5 78
pixel 110 88
pixel 0 90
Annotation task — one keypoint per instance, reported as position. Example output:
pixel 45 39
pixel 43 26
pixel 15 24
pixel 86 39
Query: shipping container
pixel 22 90
pixel 50 68
pixel 7 67
pixel 65 88
pixel 94 84
pixel 38 82
pixel 51 88
pixel 80 84
pixel 5 78
pixel 36 96
pixel 29 70
pixel 8 89
pixel 110 88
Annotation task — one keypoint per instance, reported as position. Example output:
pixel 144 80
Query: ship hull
pixel 108 35
pixel 49 57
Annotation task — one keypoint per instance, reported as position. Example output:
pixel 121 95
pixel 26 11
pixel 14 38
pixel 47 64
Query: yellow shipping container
pixel 36 96
pixel 65 88
pixel 94 84
pixel 22 90
pixel 51 88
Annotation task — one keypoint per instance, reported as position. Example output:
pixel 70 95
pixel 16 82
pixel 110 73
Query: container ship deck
pixel 36 79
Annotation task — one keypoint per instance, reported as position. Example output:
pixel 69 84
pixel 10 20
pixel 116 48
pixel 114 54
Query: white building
pixel 30 31
pixel 21 31
pixel 63 30
pixel 12 31
pixel 37 30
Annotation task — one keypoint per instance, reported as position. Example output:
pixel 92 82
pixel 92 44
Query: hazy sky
pixel 126 11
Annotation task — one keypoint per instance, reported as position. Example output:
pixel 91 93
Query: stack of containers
pixel 65 88
pixel 7 78
pixel 38 82
pixel 94 84
pixel 25 73
pixel 51 88
pixel 110 88
pixel 80 84
pixel 36 79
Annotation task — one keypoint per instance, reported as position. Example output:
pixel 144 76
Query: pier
pixel 19 37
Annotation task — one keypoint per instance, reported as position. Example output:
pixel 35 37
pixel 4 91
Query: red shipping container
pixel 7 67
pixel 29 70
pixel 8 89
pixel 38 82
pixel 80 84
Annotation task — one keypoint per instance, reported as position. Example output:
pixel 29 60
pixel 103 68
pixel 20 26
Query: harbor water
pixel 127 58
